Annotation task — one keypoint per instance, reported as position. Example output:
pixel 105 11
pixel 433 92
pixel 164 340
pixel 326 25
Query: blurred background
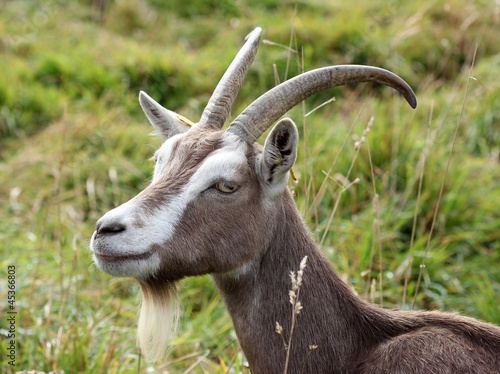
pixel 411 217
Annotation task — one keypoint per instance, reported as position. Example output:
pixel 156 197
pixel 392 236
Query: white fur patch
pixel 163 154
pixel 158 321
pixel 136 239
pixel 145 229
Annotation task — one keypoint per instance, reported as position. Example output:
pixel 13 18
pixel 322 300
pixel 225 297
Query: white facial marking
pixel 163 154
pixel 223 165
pixel 146 229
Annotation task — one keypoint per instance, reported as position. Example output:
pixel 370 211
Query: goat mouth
pixel 114 258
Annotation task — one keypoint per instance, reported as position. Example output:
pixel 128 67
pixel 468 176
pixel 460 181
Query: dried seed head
pixel 299 280
pixel 297 307
pixel 362 141
pixel 368 127
pixel 313 347
pixel 303 263
pixel 370 123
pixel 279 328
pixel 301 270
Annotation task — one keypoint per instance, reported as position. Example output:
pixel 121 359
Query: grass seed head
pixel 297 307
pixel 279 328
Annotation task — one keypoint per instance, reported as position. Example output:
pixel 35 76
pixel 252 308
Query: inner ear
pixel 280 151
pixel 283 140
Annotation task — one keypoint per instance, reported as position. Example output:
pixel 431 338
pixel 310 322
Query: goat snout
pixel 104 227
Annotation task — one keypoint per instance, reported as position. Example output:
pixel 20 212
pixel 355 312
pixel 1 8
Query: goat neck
pixel 336 331
pixel 257 296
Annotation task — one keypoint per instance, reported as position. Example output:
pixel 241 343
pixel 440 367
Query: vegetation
pixel 410 217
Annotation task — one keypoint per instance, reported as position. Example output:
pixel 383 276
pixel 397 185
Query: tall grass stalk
pixel 357 147
pixel 376 220
pixel 327 176
pixel 447 168
pixel 59 235
pixel 420 168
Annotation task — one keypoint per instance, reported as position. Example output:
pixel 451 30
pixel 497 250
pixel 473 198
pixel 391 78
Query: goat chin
pixel 158 319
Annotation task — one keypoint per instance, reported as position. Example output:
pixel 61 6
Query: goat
pixel 218 204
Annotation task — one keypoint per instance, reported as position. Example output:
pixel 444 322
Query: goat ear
pixel 166 122
pixel 280 151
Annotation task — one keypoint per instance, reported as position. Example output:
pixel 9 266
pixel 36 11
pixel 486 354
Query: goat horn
pixel 225 93
pixel 269 107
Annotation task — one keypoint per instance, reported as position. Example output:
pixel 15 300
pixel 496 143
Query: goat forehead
pixel 191 161
pixel 195 146
pixel 183 153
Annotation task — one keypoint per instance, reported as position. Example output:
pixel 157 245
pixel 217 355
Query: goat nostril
pixel 109 228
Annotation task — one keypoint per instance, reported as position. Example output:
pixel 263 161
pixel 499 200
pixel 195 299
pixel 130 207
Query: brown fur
pixel 352 336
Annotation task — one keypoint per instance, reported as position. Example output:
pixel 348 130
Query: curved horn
pixel 259 115
pixel 225 93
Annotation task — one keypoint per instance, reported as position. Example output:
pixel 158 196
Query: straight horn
pixel 215 113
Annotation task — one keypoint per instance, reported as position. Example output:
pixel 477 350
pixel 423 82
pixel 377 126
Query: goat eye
pixel 226 187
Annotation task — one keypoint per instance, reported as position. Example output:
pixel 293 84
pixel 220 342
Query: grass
pixel 75 144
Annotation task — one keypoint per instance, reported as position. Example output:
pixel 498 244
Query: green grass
pixel 75 144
